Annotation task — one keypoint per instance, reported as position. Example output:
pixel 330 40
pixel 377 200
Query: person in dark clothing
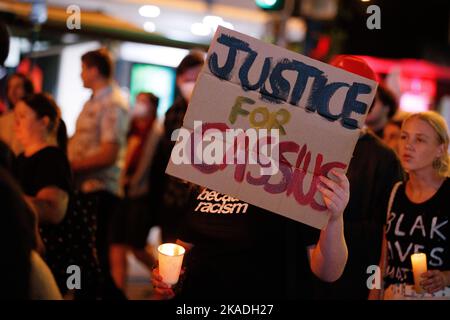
pixel 229 249
pixel 373 171
pixel 44 174
pixel 6 156
pixel 419 214
pixel 169 195
pixel 27 277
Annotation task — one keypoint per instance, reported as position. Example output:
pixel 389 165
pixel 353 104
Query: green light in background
pixel 270 4
pixel 158 80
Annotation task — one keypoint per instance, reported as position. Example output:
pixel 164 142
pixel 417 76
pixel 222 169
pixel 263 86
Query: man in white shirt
pixel 97 149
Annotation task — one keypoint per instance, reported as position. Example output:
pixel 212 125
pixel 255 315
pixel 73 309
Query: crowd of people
pixel 90 200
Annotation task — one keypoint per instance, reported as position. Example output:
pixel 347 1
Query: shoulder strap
pixel 392 197
pixel 384 249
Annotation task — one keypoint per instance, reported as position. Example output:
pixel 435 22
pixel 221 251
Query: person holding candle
pixel 239 251
pixel 419 214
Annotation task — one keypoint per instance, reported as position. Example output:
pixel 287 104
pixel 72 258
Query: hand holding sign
pixel 316 109
pixel 335 194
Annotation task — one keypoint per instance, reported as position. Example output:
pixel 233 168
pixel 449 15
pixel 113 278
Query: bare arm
pixel 329 256
pixel 42 283
pixel 50 204
pixel 105 157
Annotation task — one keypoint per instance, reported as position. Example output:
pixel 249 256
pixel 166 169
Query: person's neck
pixel 424 181
pixel 99 85
pixel 36 146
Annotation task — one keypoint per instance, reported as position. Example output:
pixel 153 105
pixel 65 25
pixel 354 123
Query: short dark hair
pixel 388 99
pixel 100 59
pixel 44 106
pixel 193 59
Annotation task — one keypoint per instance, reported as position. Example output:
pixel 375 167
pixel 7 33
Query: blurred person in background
pixel 42 170
pixel 143 119
pixel 44 173
pixel 27 275
pixel 135 218
pixel 97 150
pixel 18 86
pixel 383 109
pixel 169 195
pixel 391 134
pixel 419 213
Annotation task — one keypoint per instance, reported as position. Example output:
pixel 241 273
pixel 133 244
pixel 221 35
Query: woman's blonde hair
pixel 439 125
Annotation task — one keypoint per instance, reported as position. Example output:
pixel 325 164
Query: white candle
pixel 170 258
pixel 419 265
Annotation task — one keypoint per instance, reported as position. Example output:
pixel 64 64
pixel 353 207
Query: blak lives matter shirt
pixel 242 251
pixel 414 228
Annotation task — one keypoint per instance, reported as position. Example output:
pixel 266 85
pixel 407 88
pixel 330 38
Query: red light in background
pixel 414 80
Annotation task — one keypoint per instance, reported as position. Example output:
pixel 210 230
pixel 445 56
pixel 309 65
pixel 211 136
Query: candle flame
pixel 171 249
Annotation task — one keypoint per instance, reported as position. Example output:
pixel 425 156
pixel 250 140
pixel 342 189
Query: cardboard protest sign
pixel 315 109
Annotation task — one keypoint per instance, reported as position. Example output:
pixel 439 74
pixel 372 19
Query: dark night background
pixel 409 29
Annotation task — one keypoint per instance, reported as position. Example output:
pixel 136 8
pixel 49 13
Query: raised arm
pixel 329 256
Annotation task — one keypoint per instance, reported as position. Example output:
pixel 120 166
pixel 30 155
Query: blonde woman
pixel 419 214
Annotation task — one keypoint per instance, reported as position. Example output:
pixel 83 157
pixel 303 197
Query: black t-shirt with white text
pixel 414 228
pixel 242 251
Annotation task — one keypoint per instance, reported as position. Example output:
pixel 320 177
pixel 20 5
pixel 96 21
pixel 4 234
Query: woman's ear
pixel 441 150
pixel 46 122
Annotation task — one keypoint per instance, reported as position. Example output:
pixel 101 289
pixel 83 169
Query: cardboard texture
pixel 318 109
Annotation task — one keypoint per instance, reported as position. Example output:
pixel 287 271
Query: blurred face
pixel 186 81
pixel 142 107
pixel 378 115
pixel 15 90
pixel 28 127
pixel 418 146
pixel 391 136
pixel 88 75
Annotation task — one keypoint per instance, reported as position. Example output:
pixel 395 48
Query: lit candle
pixel 170 258
pixel 419 265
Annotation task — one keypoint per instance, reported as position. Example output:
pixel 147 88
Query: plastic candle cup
pixel 419 266
pixel 170 256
